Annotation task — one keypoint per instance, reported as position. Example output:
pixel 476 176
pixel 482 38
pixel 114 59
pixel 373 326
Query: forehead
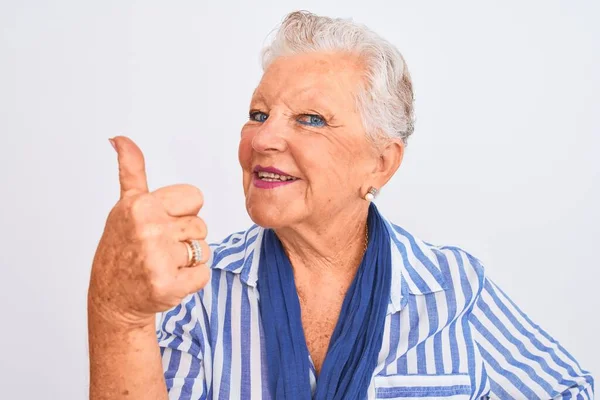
pixel 331 77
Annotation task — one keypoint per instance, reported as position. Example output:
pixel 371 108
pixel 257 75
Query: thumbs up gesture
pixel 143 264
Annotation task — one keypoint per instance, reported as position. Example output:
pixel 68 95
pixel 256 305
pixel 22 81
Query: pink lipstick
pixel 271 177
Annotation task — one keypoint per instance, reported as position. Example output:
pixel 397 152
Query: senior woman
pixel 323 297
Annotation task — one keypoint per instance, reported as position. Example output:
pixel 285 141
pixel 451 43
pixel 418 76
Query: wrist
pixel 103 313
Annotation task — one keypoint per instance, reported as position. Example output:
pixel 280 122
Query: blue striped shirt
pixel 450 333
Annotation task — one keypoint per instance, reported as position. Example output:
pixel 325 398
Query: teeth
pixel 271 177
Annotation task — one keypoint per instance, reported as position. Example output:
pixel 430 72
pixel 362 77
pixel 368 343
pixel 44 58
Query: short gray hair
pixel 386 99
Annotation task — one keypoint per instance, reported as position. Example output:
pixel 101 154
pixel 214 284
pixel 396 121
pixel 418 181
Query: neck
pixel 334 247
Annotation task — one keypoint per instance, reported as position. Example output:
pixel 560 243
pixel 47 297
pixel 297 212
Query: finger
pixel 194 279
pixel 205 252
pixel 132 168
pixel 180 200
pixel 181 255
pixel 188 228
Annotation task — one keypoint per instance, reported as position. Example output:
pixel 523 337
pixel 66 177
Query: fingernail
pixel 112 142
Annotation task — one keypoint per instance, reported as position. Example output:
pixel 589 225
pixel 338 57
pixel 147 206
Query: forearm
pixel 124 363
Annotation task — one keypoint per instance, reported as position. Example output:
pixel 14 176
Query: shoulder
pixel 431 268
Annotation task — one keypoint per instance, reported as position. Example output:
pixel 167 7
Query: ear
pixel 391 154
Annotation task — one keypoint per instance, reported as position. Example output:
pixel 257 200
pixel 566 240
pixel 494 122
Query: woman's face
pixel 305 127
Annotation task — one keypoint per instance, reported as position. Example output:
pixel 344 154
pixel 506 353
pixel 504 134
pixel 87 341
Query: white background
pixel 503 161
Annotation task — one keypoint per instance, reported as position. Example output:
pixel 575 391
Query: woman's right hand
pixel 140 264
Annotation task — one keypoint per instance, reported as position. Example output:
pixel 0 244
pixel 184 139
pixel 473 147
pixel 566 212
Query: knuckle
pixel 203 277
pixel 158 285
pixel 195 190
pixel 197 193
pixel 198 279
pixel 206 252
pixel 201 227
pixel 190 190
pixel 193 227
pixel 138 206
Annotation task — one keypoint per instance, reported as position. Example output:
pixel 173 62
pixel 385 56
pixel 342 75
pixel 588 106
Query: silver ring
pixel 194 252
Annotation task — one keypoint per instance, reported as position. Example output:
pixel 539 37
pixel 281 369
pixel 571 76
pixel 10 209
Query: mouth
pixel 271 178
pixel 271 174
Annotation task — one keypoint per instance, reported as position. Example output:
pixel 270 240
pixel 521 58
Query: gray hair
pixel 385 100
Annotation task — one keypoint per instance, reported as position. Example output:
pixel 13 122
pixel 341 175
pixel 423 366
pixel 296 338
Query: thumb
pixel 132 168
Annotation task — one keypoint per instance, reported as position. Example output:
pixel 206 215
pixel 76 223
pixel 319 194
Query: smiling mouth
pixel 272 174
pixel 273 177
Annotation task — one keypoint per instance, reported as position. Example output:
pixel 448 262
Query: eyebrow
pixel 318 102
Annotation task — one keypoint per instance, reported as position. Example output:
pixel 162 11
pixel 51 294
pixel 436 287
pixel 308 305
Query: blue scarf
pixel 354 346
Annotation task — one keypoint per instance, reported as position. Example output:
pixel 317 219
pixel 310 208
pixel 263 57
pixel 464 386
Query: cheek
pixel 343 168
pixel 342 160
pixel 245 148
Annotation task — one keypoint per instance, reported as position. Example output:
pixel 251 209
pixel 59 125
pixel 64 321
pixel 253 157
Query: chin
pixel 269 215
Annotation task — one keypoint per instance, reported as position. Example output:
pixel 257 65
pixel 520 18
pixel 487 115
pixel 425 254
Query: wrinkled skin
pixel 139 269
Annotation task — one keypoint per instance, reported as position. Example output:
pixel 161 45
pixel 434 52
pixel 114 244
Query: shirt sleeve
pixel 520 359
pixel 181 338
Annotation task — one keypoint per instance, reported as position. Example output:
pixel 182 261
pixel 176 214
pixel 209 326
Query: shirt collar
pixel 415 268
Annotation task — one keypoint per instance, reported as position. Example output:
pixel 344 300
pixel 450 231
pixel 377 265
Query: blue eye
pixel 312 120
pixel 258 116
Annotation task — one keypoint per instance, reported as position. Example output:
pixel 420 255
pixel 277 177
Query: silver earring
pixel 370 196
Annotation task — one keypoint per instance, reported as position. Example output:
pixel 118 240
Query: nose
pixel 270 137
